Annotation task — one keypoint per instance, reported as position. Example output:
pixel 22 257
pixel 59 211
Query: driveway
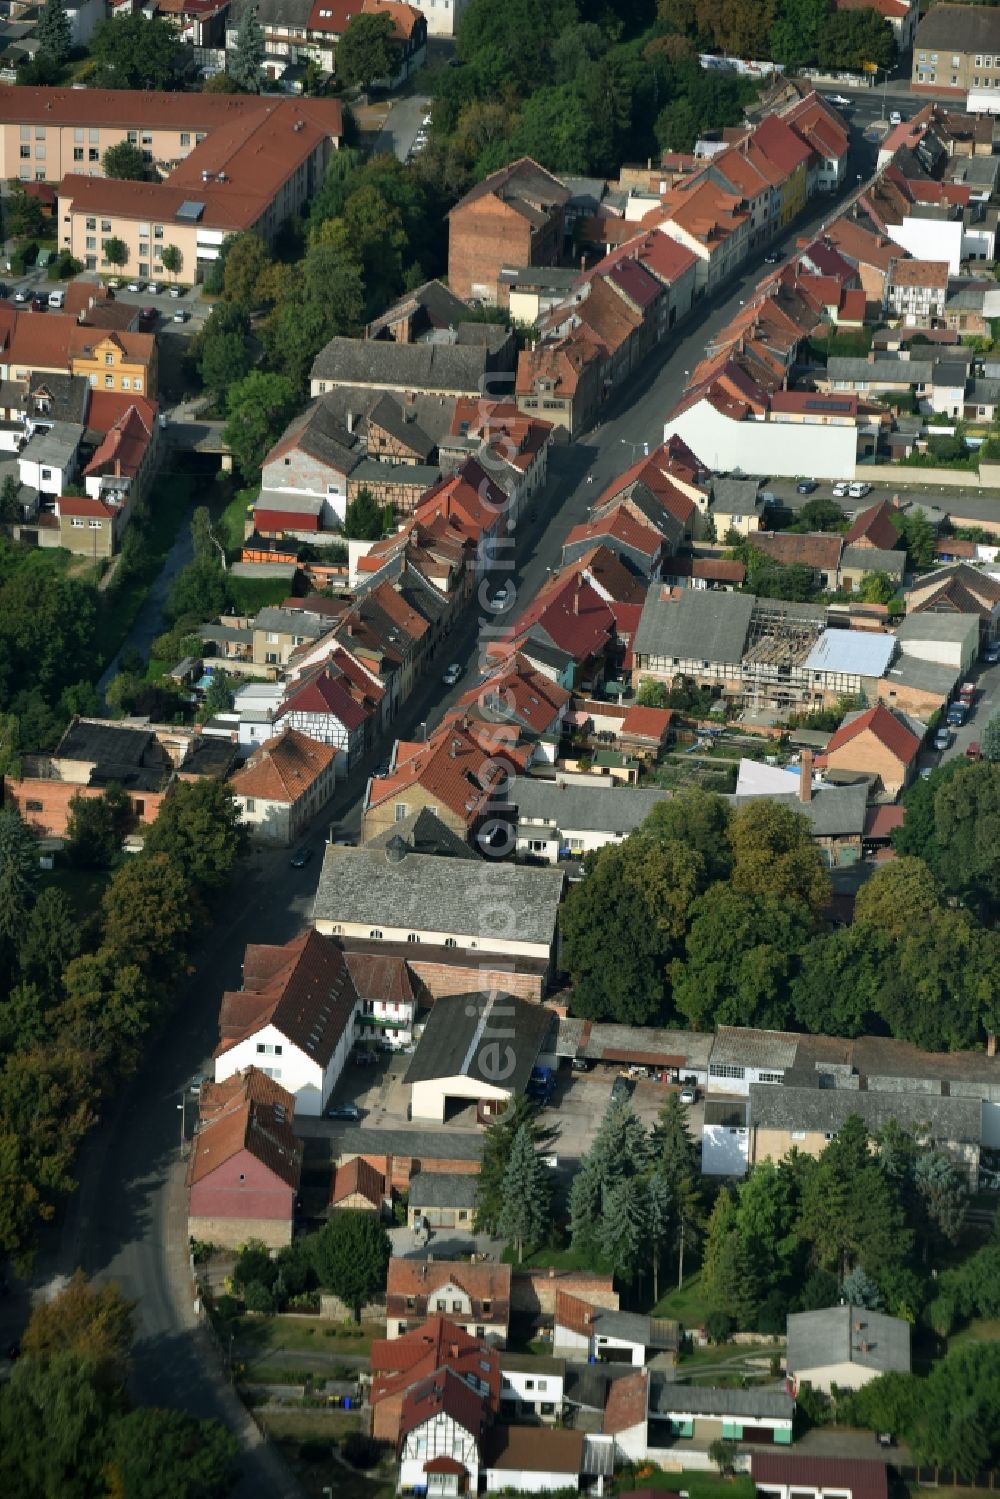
pixel 397 134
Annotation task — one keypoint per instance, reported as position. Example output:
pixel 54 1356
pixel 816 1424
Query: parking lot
pixel 573 1116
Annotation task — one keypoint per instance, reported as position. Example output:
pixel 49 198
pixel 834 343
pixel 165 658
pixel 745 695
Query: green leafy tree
pixel 350 1255
pixel 53 31
pixel 774 855
pixel 363 517
pixel 218 696
pixel 245 59
pixel 10 499
pixel 115 250
pixel 133 52
pixel 147 916
pixel 225 361
pixel 167 1454
pixel 651 694
pixel 198 591
pixel 860 1290
pixel 524 1209
pixel 172 260
pixel 989 741
pixel 943 1193
pixel 199 830
pixel 366 51
pixel 739 959
pixel 22 213
pixel 18 879
pixel 849 1212
pixel 247 263
pixel 877 588
pixel 259 408
pixel 967 824
pixel 53 1429
pixel 820 515
pixel 51 939
pixel 96 826
pixel 124 160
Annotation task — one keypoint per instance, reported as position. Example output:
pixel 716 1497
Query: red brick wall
pixel 483 237
pixel 44 804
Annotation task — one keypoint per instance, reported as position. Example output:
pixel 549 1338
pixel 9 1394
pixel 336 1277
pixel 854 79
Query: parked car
pixel 181 315
pixel 942 739
pixel 23 294
pixel 452 674
pixel 176 291
pixel 148 314
pixel 540 1085
pixel 858 490
pixel 895 118
pixel 991 655
pixel 840 100
pixel 154 288
pixel 301 857
pixel 39 304
pixel 773 257
pixel 57 299
pixel 135 286
pixel 972 750
pixel 840 491
pixel 365 1058
pixel 689 1095
pixel 967 693
pixel 956 715
pixel 582 1064
pixel 621 1090
pixel 348 1111
pixel 501 596
pixel 807 486
pixel 113 283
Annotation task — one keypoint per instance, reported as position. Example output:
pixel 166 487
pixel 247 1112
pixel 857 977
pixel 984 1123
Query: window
pixel 375 935
pixel 76 524
pixel 39 132
pixel 105 226
pixel 109 382
pixel 726 1069
pixel 412 937
pixel 95 525
pixel 94 136
pixel 133 137
pixel 33 806
pixel 26 132
pixel 402 811
pixel 439 1306
pixel 243 1176
pixel 185 138
pixel 979 61
pixel 77 153
pixel 158 231
pixel 480 1332
pixel 147 139
pixel 409 1303
pixel 109 359
pixel 956 61
pixel 450 942
pixel 126 383
pixel 770 1077
pixel 456 1306
pixel 91 224
pixel 487 1305
pixel 93 155
pixel 39 153
pixel 25 153
pixel 250 804
pixel 46 473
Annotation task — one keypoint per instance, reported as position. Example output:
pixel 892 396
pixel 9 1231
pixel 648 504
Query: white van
pixel 57 299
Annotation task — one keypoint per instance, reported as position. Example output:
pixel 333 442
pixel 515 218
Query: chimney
pixel 576 597
pixel 350 422
pixel 991 1043
pixel 806 777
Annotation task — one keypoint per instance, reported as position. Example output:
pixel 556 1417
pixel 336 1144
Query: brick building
pixel 513 217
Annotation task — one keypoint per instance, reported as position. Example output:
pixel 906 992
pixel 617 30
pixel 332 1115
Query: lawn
pixel 289 1429
pixel 687 1305
pixel 558 1259
pixel 230 524
pixel 698 1358
pixel 981 1330
pixel 258 1336
pixel 697 1484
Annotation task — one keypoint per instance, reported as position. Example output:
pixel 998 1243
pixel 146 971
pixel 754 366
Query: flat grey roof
pixel 462 1039
pixel 851 651
pixel 924 676
pixel 929 626
pixel 613 1042
pixel 742 1047
pixel 434 1144
pixel 632 1327
pixel 848 1335
pixel 56 446
pixel 778 1106
pixel 292 622
pixel 880 372
pixel 698 624
pixel 667 1397
pixel 423 893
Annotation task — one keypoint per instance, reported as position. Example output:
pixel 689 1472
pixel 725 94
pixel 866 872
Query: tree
pixel 967 824
pixel 728 1273
pixel 53 31
pixel 148 917
pixel 739 959
pixel 247 261
pixel 167 1454
pixel 53 1429
pixel 22 213
pixel 259 407
pixel 989 741
pixel 943 1193
pixel 774 855
pixel 225 361
pixel 172 260
pixel 659 1212
pixel 363 518
pixel 723 1454
pixel 51 939
pixel 18 879
pixel 350 1255
pixel 850 1214
pixel 699 819
pixel 115 250
pixel 366 52
pixel 819 515
pixel 133 52
pixel 218 696
pixel 199 829
pixel 198 591
pixel 624 1231
pixel 124 160
pixel 860 1290
pixel 877 588
pixel 524 1208
pixel 498 1144
pixel 246 58
pixel 93 1323
pixel 96 826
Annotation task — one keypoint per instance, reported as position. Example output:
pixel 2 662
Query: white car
pixel 176 291
pixel 113 283
pixel 857 491
pixel 895 118
pixel 841 100
pixel 452 675
pixel 135 286
pixel 840 491
pixel 23 294
pixel 153 288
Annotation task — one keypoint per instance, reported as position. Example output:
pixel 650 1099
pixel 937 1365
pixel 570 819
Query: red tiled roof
pixel 358 1179
pixel 124 447
pixel 71 504
pixel 438 1343
pixel 886 727
pixel 874 525
pixel 489 1281
pixel 861 1478
pixel 248 1121
pixel 106 407
pixel 573 1312
pixel 284 768
pixel 303 989
pixel 881 821
pixel 621 526
pixel 443 1392
pixel 646 723
pixel 779 142
pixel 323 695
pixel 627 1403
pixel 451 766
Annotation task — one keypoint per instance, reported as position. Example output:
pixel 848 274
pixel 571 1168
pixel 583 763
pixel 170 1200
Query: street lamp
pixel 633 445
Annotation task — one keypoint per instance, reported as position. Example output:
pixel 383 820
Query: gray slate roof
pixel 461 1040
pixel 874 560
pixel 848 1335
pixel 701 624
pixel 392 366
pixel 948 627
pixel 737 496
pixel 390 416
pixel 291 622
pixel 742 1047
pixel 826 1109
pixel 632 1327
pixel 425 833
pixel 963 28
pixel 882 372
pixel 318 432
pixel 602 809
pixel 420 1143
pixel 667 1397
pixel 833 812
pixel 421 892
pixel 413 475
pixel 925 676
pixel 443 1189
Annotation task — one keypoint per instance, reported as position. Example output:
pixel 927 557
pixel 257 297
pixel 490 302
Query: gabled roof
pixel 874 526
pixel 443 1392
pixel 326 695
pixel 626 1403
pixel 486 1281
pixel 358 1179
pixel 451 767
pixel 284 768
pixel 318 433
pixel 861 1478
pixel 304 989
pixel 247 1116
pixel 438 1343
pixel 570 614
pixel 523 184
pixel 124 447
pixel 516 691
pixel 458 1039
pixel 900 741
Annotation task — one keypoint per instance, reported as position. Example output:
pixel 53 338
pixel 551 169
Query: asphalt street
pixel 127 1220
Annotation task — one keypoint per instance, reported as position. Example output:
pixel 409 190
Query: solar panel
pixel 190 212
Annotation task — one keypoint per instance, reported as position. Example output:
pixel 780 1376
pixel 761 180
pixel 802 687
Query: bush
pixel 719 1326
pixel 258 1297
pixel 772 1314
pixel 315 1451
pixel 361 1451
